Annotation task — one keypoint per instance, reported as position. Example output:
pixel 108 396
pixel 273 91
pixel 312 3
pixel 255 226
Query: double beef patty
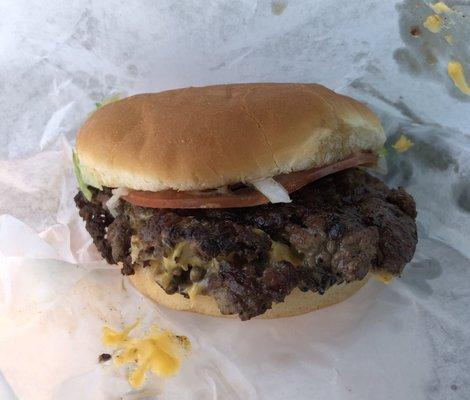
pixel 338 229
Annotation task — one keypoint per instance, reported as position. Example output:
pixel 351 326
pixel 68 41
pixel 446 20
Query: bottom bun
pixel 296 303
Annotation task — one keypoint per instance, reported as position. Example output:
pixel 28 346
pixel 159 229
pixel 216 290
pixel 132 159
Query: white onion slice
pixel 273 190
pixel 113 201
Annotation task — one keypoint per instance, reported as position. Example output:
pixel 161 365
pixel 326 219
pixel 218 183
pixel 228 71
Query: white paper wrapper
pixel 407 340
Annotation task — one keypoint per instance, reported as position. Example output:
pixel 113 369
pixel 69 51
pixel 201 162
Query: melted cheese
pixel 163 278
pixel 440 7
pixel 282 252
pixel 135 248
pixel 433 23
pixel 456 73
pixel 181 257
pixel 158 351
pixel 193 291
pixel 382 276
pixel 114 338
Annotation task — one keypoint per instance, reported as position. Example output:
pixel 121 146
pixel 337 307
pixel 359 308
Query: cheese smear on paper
pixel 456 73
pixel 440 7
pixel 433 23
pixel 402 144
pixel 158 351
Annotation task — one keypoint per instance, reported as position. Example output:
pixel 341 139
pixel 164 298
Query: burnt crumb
pixel 415 31
pixel 104 357
pixel 339 228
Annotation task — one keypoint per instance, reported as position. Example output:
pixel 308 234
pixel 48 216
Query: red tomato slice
pixel 246 196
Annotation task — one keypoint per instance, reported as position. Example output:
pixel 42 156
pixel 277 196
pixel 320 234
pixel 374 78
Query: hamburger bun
pixel 207 137
pixel 296 303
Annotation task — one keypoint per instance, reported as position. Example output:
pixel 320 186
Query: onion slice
pixel 272 190
pixel 113 201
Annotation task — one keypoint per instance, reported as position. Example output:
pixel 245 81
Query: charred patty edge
pixel 337 230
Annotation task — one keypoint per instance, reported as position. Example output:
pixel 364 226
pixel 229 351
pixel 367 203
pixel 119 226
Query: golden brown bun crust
pixel 296 303
pixel 207 137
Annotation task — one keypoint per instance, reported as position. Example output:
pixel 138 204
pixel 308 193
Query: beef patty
pixel 335 230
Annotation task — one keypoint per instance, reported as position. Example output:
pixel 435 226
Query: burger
pixel 242 199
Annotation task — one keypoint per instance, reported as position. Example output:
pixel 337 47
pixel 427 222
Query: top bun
pixel 206 137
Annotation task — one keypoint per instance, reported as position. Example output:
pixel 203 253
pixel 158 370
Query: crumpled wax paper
pixel 406 340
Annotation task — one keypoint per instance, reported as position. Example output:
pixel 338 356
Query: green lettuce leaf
pixel 110 99
pixel 81 184
pixel 382 152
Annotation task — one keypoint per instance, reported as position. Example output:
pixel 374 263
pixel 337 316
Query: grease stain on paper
pixel 278 7
pixel 419 273
pixel 462 194
pixel 429 48
pixel 433 156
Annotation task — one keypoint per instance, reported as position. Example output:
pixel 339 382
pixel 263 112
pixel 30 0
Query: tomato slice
pixel 246 196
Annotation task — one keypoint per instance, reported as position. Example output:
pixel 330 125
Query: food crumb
pixel 104 357
pixel 415 31
pixel 440 7
pixel 456 73
pixel 449 38
pixel 402 144
pixel 433 23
